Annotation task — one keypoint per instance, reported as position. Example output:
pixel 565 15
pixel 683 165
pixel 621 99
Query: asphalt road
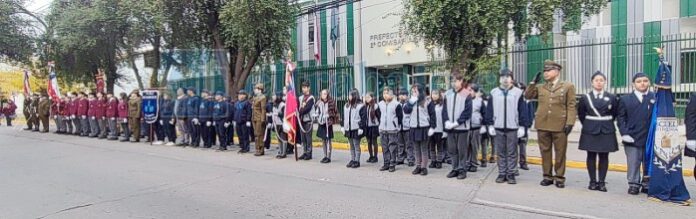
pixel 56 176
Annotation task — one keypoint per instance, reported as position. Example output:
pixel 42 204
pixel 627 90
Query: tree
pixel 253 30
pixel 466 29
pixel 17 38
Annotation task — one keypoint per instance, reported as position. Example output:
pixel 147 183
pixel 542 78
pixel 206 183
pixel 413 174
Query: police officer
pixel 221 119
pixel 134 114
pixel 633 120
pixel 35 112
pixel 205 116
pixel 690 122
pixel 305 123
pixel 554 121
pixel 26 110
pixel 242 117
pixel 193 127
pixel 258 118
pixel 44 112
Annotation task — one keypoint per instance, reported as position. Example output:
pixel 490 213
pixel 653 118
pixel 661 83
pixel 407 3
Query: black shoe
pixel 356 164
pixel 384 168
pixel 593 186
pixel 500 179
pixel 633 190
pixel 492 160
pixel 472 169
pixel 308 157
pixel 524 166
pixel 511 179
pixel 432 164
pixel 483 164
pixel 448 162
pixel 453 174
pixel 302 157
pixel 410 164
pixel 416 171
pixel 602 186
pixel 350 164
pixel 392 169
pixel 375 160
pixel 438 165
pixel 400 163
pixel 546 182
pixel 644 189
pixel 282 156
pixel 424 171
pixel 560 185
pixel 462 175
pixel 323 160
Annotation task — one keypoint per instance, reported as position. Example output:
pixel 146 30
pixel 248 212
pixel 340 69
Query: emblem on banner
pixel 668 144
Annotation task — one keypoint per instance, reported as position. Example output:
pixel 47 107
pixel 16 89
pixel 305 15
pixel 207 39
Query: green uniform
pixel 134 107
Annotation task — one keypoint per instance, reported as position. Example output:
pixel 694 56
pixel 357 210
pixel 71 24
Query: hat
pixel 242 92
pixel 598 73
pixel 305 84
pixel 550 65
pixel 219 93
pixel 639 75
pixel 205 91
pixel 505 72
pixel 474 87
pixel 259 86
pixel 403 91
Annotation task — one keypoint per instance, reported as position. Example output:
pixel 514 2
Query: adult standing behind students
pixel 597 111
pixel 180 115
pixel 554 121
pixel 690 121
pixel 134 114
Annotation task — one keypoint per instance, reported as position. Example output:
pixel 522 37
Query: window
pixel 310 25
pixel 687 72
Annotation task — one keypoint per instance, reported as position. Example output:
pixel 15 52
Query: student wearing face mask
pixel 422 126
pixel 372 131
pixel 456 113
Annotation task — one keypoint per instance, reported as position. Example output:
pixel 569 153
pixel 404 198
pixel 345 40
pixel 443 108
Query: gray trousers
pixel 125 131
pixel 458 149
pixel 390 143
pixel 634 159
pixel 422 150
pixel 85 126
pixel 68 124
pixel 354 149
pixel 405 150
pixel 522 146
pixel 306 138
pixel 506 145
pixel 102 127
pixel 59 123
pixel 113 131
pixel 93 127
pixel 181 128
pixel 475 141
pixel 78 125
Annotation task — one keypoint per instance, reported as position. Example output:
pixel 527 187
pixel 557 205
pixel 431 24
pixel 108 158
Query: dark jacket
pixel 220 111
pixel 690 121
pixel 633 117
pixel 205 110
pixel 192 104
pixel 242 112
pixel 180 107
pixel 607 107
pixel 166 111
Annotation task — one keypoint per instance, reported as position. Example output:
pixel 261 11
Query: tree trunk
pixel 131 61
pixel 154 77
pixel 111 77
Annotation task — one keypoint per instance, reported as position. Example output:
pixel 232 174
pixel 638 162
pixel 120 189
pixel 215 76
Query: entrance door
pixel 423 79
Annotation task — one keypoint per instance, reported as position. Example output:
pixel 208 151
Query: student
pixel 405 150
pixel 242 117
pixel 597 111
pixel 326 114
pixel 83 113
pixel 278 113
pixel 505 114
pixel 306 101
pixel 522 143
pixel 390 123
pixel 194 125
pixel 205 117
pixel 476 130
pixel 74 99
pixel 437 140
pixel 633 119
pixel 9 111
pixel 354 124
pixel 92 114
pixel 422 126
pixel 123 116
pixel 221 119
pixel 101 115
pixel 372 131
pixel 111 116
pixel 455 113
pixel 166 121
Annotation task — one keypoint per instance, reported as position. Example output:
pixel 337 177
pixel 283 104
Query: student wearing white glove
pixel 476 130
pixel 456 113
pixel 506 114
pixel 354 124
pixel 437 142
pixel 422 124
pixel 242 117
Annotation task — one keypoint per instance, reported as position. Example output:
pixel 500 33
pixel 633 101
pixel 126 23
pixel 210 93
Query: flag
pixel 27 86
pixel 52 87
pixel 290 119
pixel 334 27
pixel 317 37
pixel 663 149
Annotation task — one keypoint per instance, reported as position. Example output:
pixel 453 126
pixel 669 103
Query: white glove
pixel 93 118
pixel 55 117
pixel 343 130
pixel 195 121
pixel 113 118
pixel 491 130
pixel 103 117
pixel 171 122
pixel 84 117
pixel 286 127
pixel 72 116
pixel 208 123
pixel 214 123
pixel 520 132
pixel 483 130
pixel 360 131
pixel 691 144
pixel 161 122
pixel 269 126
pixel 413 99
pixel 627 139
pixel 227 124
pixel 431 132
pixel 125 120
pixel 248 124
pixel 444 135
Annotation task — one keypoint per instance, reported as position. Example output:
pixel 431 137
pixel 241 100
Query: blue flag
pixel 334 27
pixel 664 147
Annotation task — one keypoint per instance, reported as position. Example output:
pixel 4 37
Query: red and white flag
pixel 317 37
pixel 52 87
pixel 290 120
pixel 27 85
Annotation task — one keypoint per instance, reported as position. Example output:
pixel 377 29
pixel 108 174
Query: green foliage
pixel 466 29
pixel 17 42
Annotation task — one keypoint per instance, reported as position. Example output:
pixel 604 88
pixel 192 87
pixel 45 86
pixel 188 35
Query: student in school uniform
pixel 326 115
pixel 456 113
pixel 372 131
pixel 390 122
pixel 437 140
pixel 422 126
pixel 354 125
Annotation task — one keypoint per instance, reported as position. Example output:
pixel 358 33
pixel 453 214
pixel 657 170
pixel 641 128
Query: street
pixel 57 176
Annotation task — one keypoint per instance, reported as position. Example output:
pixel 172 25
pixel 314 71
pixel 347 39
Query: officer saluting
pixel 555 118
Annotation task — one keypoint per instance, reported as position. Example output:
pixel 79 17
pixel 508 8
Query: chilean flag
pixel 27 86
pixel 290 120
pixel 52 87
pixel 317 37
